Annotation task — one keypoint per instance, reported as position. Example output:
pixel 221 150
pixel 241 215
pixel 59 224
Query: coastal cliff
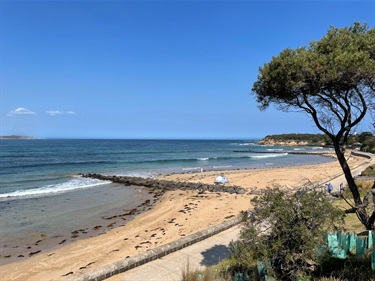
pixel 294 140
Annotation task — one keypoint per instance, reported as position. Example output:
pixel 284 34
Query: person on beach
pixel 330 187
pixel 341 188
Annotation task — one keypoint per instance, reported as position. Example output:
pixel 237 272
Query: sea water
pixel 41 191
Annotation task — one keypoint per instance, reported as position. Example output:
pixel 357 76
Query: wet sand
pixel 50 230
pixel 179 213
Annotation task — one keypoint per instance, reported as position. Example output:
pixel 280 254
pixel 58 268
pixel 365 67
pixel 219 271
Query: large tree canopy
pixel 332 80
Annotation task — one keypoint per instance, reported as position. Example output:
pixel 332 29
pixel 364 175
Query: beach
pixel 173 214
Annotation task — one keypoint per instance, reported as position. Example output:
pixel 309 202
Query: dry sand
pixel 178 213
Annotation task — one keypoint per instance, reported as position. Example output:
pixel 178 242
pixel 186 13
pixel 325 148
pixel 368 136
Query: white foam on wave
pixel 275 149
pixel 203 159
pixel 71 185
pixel 267 156
pixel 139 174
pixel 247 143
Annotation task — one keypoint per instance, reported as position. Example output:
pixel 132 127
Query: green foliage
pixel 369 145
pixel 232 267
pixel 367 139
pixel 364 136
pixel 228 270
pixel 332 79
pixel 311 139
pixel 352 268
pixel 284 231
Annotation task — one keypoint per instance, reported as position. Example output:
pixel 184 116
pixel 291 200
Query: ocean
pixel 42 195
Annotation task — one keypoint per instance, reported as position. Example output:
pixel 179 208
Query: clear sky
pixel 153 69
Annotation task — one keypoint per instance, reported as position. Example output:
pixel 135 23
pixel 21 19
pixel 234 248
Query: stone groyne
pixel 166 185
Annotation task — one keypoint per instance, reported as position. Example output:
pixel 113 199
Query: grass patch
pixel 369 172
pixel 350 268
pixel 229 269
pixel 352 224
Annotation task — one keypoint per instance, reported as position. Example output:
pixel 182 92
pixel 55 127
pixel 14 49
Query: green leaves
pixel 286 229
pixel 308 77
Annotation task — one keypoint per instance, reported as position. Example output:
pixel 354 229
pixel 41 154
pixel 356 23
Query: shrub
pixel 351 268
pixel 284 231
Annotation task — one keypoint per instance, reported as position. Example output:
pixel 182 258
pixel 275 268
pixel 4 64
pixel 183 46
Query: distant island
pixel 17 138
pixel 295 140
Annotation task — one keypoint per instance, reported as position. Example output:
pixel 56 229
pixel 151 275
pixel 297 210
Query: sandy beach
pixel 173 215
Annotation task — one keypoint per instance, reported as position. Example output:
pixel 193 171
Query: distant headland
pixel 13 137
pixel 294 140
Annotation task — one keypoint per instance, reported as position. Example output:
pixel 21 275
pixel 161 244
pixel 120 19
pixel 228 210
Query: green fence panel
pixel 261 269
pixel 240 276
pixel 339 253
pixel 340 237
pixel 334 243
pixel 332 240
pixel 345 242
pixel 352 243
pixel 370 240
pixel 360 247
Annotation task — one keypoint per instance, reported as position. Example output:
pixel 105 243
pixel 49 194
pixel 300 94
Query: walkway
pixel 335 181
pixel 169 268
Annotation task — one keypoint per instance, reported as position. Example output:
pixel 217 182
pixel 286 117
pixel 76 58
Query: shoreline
pixel 177 214
pixel 19 249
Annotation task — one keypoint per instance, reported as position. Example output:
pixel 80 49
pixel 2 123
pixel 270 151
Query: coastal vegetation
pixel 285 238
pixel 364 141
pixel 333 82
pixel 284 231
pixel 294 139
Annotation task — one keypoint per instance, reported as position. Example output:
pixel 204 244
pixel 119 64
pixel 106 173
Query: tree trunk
pixel 360 211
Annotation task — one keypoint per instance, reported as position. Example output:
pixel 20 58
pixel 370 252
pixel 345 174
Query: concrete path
pixel 340 178
pixel 169 268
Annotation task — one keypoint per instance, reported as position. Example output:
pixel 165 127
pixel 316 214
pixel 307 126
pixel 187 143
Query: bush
pixel 284 231
pixel 352 268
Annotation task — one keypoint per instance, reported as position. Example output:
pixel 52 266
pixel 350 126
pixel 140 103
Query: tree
pixel 284 231
pixel 364 136
pixel 332 81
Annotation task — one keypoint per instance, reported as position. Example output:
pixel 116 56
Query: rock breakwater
pixel 166 185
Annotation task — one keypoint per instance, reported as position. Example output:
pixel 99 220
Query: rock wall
pixel 166 185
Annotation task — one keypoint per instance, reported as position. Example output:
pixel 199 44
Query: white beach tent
pixel 221 180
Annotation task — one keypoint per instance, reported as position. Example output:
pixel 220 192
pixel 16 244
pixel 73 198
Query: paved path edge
pixel 123 265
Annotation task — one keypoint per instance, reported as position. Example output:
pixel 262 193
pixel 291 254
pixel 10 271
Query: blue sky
pixel 153 69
